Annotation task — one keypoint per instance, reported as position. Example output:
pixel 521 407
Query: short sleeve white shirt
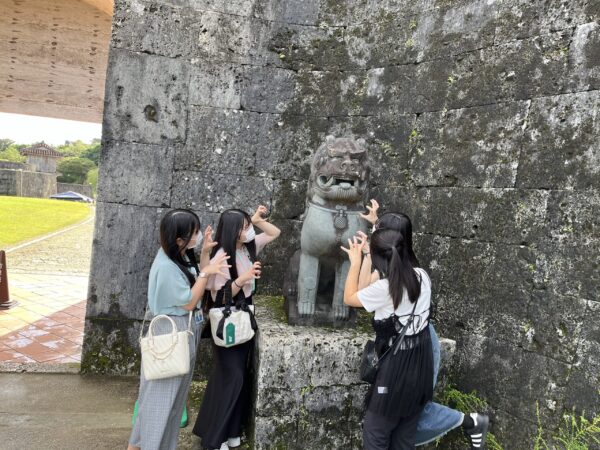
pixel 376 298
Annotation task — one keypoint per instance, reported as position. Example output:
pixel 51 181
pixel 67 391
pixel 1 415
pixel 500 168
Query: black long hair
pixel 231 224
pixel 183 224
pixel 393 258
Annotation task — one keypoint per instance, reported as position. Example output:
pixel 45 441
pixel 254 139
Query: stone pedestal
pixel 307 391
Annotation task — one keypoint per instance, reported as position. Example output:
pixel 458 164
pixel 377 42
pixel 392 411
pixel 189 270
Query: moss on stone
pixel 107 349
pixel 274 306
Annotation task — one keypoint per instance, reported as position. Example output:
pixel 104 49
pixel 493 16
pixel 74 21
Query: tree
pixel 92 153
pixel 5 143
pixel 92 178
pixel 74 170
pixel 12 154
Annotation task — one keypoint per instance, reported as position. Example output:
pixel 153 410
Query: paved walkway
pixel 49 281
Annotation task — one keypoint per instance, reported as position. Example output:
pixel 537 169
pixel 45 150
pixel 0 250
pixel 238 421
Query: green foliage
pixel 467 403
pixel 74 148
pixel 74 169
pixel 92 153
pixel 11 153
pixel 92 178
pixel 576 432
pixel 5 143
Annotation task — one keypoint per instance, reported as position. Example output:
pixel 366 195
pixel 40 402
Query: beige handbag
pixel 165 355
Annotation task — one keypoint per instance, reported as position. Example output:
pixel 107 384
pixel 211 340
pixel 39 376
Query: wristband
pixel 235 282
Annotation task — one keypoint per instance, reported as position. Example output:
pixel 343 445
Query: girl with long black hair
pixel 175 285
pixel 436 420
pixel 401 297
pixel 219 421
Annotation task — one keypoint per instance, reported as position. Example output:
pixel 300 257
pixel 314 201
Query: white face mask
pixel 249 235
pixel 198 244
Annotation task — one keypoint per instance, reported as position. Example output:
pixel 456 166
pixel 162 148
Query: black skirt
pixel 403 384
pixel 226 397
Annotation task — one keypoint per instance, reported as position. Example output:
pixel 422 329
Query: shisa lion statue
pixel 336 195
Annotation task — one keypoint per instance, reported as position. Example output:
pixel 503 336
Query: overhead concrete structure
pixel 54 55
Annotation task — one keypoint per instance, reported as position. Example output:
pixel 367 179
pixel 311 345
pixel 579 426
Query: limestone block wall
pixel 481 122
pixel 23 183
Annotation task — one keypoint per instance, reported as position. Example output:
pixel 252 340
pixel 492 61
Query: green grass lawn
pixel 22 219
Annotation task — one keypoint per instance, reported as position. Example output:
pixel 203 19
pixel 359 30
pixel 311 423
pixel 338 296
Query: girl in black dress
pixel 400 297
pixel 219 422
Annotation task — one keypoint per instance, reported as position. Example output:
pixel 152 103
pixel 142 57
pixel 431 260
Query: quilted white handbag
pixel 165 355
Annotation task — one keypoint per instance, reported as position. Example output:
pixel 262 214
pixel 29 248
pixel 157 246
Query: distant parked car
pixel 72 196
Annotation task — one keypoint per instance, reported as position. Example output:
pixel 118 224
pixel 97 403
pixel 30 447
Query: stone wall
pixel 85 189
pixel 481 121
pixel 23 183
pixel 14 165
pixel 45 164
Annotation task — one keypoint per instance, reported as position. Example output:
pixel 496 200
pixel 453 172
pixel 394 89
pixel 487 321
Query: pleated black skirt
pixel 403 384
pixel 226 397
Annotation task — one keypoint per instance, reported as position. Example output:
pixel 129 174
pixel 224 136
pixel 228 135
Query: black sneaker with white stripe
pixel 478 432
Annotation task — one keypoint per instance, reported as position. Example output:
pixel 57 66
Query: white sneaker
pixel 234 442
pixel 224 446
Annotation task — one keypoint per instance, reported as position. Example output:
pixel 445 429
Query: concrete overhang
pixel 53 57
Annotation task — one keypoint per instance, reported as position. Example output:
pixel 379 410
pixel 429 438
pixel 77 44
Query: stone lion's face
pixel 340 172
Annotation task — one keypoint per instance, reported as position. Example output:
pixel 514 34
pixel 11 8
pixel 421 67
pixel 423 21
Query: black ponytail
pixel 391 257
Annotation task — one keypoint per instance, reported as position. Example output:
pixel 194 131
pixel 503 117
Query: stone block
pixel 503 215
pixel 389 40
pixel 146 98
pixel 308 394
pixel 230 38
pixel 111 346
pixel 476 147
pixel 128 236
pixel 138 174
pixel 217 192
pixel 478 287
pixel 299 47
pixel 276 256
pixel 453 29
pixel 585 57
pixel 555 325
pixel 572 215
pixel 560 148
pixel 267 89
pixel 519 19
pixel 250 143
pixel 156 28
pixel 510 378
pixel 216 85
pixel 571 269
pixel 582 388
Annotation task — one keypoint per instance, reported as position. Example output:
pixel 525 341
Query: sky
pixel 31 129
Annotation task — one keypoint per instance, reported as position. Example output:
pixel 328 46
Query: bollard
pixel 5 302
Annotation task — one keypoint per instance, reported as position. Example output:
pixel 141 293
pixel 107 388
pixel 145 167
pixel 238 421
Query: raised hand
pixel 208 243
pixel 371 217
pixel 218 265
pixel 354 251
pixel 362 238
pixel 260 215
pixel 252 273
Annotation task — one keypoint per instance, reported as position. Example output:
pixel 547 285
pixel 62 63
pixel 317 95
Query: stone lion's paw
pixel 306 309
pixel 341 312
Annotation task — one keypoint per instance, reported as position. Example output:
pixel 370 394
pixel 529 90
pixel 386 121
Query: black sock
pixel 468 422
